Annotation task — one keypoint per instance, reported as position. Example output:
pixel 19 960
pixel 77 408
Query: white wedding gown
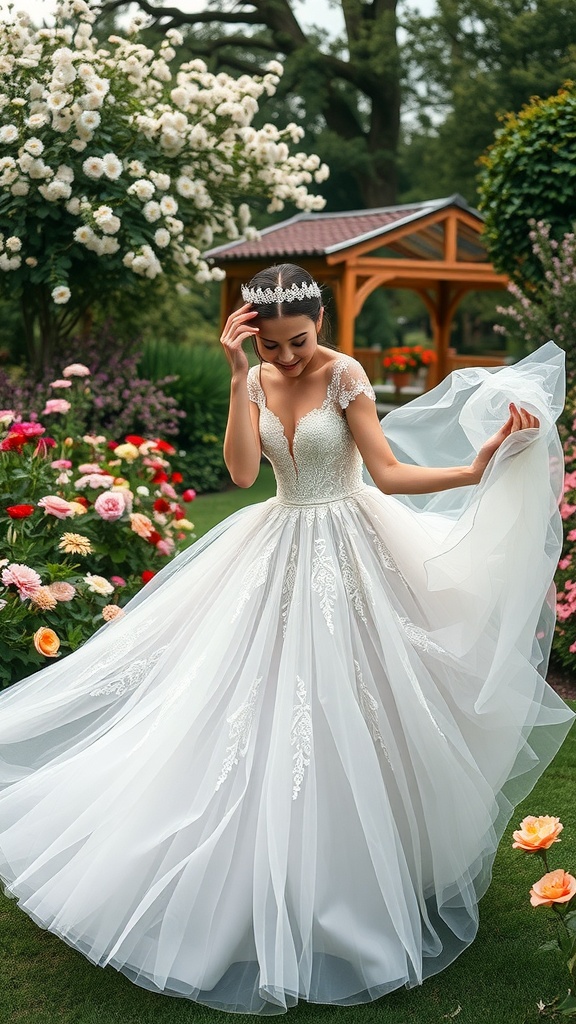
pixel 284 773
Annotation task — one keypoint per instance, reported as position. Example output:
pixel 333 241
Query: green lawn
pixel 498 980
pixel 209 509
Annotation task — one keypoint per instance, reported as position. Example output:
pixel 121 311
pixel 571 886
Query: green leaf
pixel 568 1006
pixel 547 947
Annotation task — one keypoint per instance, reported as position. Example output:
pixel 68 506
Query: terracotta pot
pixel 400 380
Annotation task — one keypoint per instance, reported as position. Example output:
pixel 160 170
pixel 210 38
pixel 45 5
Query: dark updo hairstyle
pixel 286 275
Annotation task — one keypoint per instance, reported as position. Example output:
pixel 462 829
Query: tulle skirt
pixel 284 773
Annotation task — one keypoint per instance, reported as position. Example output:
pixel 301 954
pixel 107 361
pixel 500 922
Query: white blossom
pixel 8 133
pixel 61 294
pixel 7 263
pixel 169 206
pixel 152 211
pixel 142 189
pixel 112 166
pixel 93 167
pixel 162 238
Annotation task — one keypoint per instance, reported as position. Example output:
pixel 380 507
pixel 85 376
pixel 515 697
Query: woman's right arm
pixel 242 450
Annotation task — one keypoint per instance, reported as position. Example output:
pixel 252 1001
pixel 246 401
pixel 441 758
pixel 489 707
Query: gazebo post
pixel 441 316
pixel 345 299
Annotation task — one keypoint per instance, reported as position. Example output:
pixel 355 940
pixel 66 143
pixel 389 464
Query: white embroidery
pixel 300 737
pixel 369 708
pixel 288 586
pixel 349 380
pixel 240 722
pixel 255 576
pixel 418 637
pixel 356 580
pixel 324 581
pixel 130 675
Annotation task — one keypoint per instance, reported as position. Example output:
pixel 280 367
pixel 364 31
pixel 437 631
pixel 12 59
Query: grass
pixel 498 980
pixel 209 509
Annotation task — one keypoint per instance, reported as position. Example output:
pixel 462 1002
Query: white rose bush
pixel 118 165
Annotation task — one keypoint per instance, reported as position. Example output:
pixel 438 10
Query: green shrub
pixel 202 390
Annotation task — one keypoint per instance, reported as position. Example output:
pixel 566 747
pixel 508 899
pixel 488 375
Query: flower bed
pixel 85 521
pixel 407 358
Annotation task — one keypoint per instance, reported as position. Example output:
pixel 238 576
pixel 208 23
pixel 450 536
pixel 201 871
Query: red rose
pixel 154 537
pixel 147 575
pixel 82 500
pixel 160 477
pixel 177 478
pixel 163 446
pixel 161 505
pixel 14 443
pixel 20 511
pixel 189 495
pixel 135 439
pixel 179 513
pixel 112 445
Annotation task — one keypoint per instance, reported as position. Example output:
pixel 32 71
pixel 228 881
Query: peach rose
pixel 46 642
pixel 537 833
pixel 141 524
pixel 555 887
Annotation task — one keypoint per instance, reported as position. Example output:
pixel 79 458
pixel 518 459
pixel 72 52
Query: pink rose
pixel 76 370
pixel 26 580
pixel 61 464
pixel 94 480
pixel 28 429
pixel 166 546
pixel 56 405
pixel 110 505
pixel 572 535
pixel 118 581
pixel 168 490
pixel 61 384
pixel 55 506
pixel 90 467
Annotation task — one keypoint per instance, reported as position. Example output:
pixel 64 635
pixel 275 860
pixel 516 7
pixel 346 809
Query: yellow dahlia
pixel 75 544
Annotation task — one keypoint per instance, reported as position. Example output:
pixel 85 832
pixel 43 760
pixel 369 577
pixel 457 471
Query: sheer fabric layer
pixel 284 773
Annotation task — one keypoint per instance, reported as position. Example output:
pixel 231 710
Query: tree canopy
pixel 399 105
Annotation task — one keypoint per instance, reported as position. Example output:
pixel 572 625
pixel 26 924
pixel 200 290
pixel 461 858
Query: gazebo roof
pixel 328 234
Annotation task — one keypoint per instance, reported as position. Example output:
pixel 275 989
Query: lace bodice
pixel 325 463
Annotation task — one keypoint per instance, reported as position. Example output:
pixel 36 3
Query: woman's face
pixel 288 342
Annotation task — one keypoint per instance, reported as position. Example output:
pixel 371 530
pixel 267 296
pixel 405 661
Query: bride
pixel 284 773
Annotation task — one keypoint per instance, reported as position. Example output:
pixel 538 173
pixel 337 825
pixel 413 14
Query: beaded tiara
pixel 267 296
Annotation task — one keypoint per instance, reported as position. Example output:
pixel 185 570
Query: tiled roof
pixel 317 234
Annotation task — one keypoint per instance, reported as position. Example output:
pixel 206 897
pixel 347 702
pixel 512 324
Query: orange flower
pixel 141 524
pixel 555 887
pixel 46 642
pixel 537 833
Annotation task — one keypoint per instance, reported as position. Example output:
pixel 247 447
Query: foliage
pixel 347 90
pixel 117 399
pixel 118 167
pixel 407 358
pixel 547 311
pixel 530 173
pixel 84 521
pixel 467 63
pixel 199 382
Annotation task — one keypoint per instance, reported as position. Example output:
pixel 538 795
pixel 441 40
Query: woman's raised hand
pixel 237 328
pixel 519 419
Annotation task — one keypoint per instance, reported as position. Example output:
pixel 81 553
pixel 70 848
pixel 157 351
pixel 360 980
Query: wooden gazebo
pixel 435 248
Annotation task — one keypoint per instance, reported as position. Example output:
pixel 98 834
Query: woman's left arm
pixel 394 477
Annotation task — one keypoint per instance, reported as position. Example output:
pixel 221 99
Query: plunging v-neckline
pixel 300 420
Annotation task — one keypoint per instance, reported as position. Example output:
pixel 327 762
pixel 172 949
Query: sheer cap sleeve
pixel 255 393
pixel 349 379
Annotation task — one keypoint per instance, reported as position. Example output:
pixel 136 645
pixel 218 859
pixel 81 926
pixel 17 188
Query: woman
pixel 284 773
